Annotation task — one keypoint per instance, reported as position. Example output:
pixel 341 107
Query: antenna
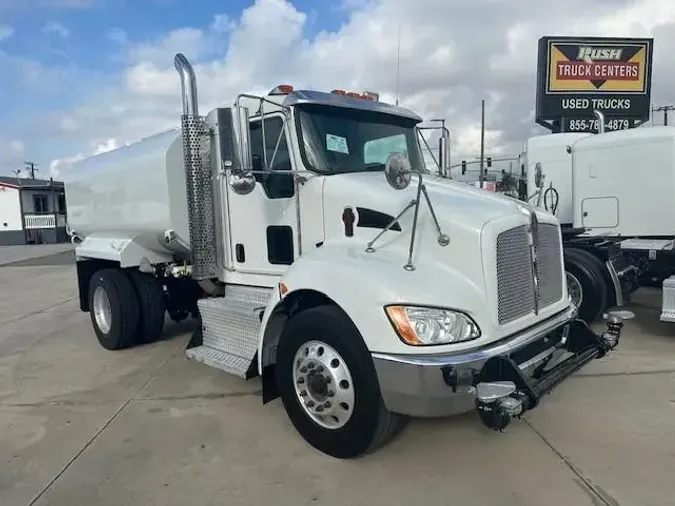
pixel 398 61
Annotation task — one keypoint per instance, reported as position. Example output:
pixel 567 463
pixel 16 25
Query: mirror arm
pixel 443 239
pixel 409 266
pixel 369 246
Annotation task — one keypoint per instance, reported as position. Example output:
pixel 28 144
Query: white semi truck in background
pixel 316 251
pixel 614 194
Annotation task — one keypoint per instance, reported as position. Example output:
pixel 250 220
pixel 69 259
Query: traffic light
pixel 463 167
pixel 489 161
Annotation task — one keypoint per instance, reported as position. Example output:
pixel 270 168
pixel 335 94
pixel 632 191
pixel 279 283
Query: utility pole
pixel 482 141
pixel 30 167
pixel 665 109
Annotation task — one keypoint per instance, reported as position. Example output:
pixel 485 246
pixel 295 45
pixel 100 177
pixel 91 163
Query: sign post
pixel 579 75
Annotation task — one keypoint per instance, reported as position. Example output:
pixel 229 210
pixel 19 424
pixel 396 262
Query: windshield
pixel 336 140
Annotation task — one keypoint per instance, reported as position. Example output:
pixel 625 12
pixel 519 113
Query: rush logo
pixel 590 54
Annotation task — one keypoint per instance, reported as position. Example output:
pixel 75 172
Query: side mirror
pixel 235 147
pixel 398 171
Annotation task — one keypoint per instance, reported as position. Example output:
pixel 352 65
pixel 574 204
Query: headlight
pixel 420 326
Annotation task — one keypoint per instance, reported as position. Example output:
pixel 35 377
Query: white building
pixel 32 211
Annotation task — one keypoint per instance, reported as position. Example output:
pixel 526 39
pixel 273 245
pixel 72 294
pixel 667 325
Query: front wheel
pixel 329 387
pixel 586 284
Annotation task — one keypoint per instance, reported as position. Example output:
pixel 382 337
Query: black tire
pixel 371 425
pixel 152 306
pixel 124 309
pixel 588 270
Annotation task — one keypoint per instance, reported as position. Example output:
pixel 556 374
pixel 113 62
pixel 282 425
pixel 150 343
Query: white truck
pixel 599 275
pixel 614 194
pixel 317 252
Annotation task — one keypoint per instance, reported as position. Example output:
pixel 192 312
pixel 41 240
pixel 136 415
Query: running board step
pixel 232 364
pixel 230 329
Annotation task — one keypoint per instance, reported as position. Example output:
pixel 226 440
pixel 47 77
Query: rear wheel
pixel 114 309
pixel 586 283
pixel 329 387
pixel 151 304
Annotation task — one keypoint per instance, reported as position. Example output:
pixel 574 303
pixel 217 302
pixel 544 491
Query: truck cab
pixel 304 233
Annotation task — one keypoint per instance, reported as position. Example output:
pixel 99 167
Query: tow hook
pixel 614 321
pixel 498 402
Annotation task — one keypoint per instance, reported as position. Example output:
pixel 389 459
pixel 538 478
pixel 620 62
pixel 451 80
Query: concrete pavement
pixel 82 425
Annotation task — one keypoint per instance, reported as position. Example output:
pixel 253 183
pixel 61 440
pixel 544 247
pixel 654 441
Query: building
pixel 32 211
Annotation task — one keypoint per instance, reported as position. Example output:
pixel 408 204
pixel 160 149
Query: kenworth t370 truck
pixel 317 252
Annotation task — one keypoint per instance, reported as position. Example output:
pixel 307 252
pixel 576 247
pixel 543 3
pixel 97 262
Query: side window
pixel 40 204
pixel 378 150
pixel 62 203
pixel 278 181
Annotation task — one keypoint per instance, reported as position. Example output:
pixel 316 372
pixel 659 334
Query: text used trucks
pixel 317 252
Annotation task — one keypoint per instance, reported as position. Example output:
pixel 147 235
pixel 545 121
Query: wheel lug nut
pixel 327 404
pixel 310 404
pixel 303 393
pixel 330 393
pixel 319 369
pixel 303 369
pixel 301 380
pixel 328 379
pixel 311 365
pixel 319 409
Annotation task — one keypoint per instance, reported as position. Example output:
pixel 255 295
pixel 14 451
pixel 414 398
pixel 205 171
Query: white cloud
pixel 453 54
pixel 12 153
pixel 55 28
pixel 6 32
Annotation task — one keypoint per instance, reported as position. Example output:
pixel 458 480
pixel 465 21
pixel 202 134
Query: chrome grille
pixel 549 265
pixel 515 284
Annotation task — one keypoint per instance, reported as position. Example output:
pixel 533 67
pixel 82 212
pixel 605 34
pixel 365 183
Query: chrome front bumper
pixel 445 385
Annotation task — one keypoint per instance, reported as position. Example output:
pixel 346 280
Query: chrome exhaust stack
pixel 601 121
pixel 198 176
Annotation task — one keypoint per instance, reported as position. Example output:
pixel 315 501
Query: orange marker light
pixel 283 289
pixel 402 324
pixel 282 89
pixel 339 92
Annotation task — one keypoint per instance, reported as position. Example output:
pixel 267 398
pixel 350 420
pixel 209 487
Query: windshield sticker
pixel 337 144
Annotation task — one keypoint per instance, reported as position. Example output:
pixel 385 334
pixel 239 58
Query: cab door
pixel 263 224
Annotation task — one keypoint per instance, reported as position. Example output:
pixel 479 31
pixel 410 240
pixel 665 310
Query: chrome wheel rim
pixel 574 289
pixel 102 311
pixel 323 385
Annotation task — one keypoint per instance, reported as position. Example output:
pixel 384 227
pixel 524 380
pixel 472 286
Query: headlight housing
pixel 427 326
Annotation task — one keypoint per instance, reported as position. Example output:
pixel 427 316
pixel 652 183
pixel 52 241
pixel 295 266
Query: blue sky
pixel 83 76
pixel 88 35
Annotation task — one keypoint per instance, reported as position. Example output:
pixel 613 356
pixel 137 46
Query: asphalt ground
pixel 83 425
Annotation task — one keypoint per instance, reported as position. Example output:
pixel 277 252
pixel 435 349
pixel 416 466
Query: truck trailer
pixel 615 191
pixel 306 237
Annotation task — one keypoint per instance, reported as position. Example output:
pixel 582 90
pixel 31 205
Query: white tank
pixel 135 192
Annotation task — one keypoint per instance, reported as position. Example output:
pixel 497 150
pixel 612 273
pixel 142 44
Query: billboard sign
pixel 577 75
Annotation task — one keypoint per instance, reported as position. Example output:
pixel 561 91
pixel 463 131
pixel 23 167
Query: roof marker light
pixel 282 89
